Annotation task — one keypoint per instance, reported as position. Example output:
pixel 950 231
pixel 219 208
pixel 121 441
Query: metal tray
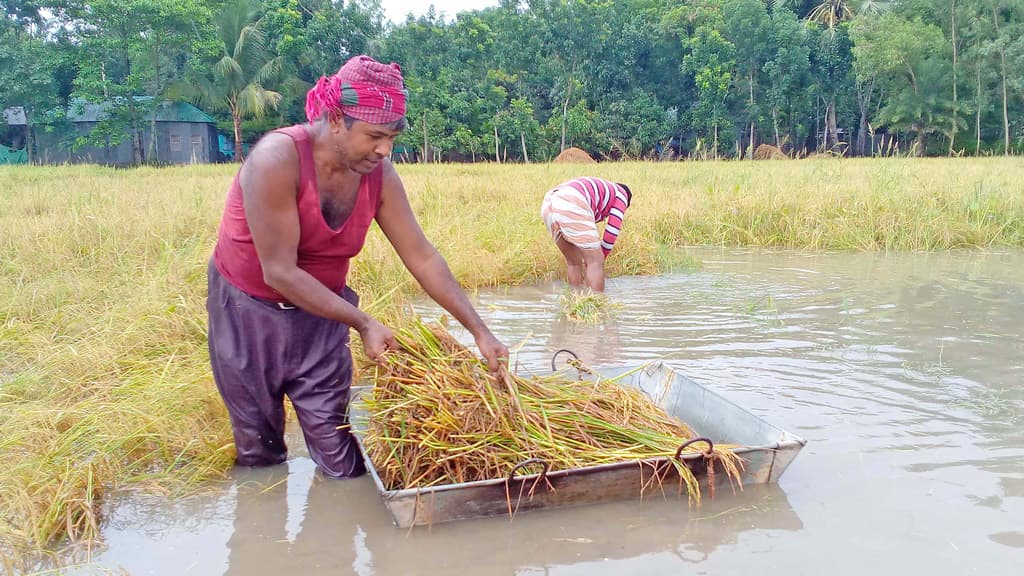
pixel 766 451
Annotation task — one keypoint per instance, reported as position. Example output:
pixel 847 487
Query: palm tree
pixel 830 14
pixel 241 78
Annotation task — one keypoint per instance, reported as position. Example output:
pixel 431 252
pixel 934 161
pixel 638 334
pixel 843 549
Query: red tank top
pixel 322 251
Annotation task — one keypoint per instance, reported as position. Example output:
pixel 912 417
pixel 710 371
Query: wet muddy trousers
pixel 261 352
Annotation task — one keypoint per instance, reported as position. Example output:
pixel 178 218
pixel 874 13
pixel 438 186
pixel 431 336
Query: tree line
pixel 524 80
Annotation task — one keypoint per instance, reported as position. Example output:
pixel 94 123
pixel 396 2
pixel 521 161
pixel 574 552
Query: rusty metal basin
pixel 765 449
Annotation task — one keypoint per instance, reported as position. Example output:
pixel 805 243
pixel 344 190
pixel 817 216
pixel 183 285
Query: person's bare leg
pixel 593 260
pixel 573 260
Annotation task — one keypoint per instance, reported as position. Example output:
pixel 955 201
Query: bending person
pixel 571 212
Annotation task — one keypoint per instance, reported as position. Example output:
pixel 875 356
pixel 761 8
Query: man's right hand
pixel 377 339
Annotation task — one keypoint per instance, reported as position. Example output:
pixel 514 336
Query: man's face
pixel 364 145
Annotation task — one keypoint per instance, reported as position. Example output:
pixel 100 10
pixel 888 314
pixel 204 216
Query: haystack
pixel 769 152
pixel 574 156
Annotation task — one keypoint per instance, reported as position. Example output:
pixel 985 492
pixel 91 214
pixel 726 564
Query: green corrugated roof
pixel 82 111
pixel 182 112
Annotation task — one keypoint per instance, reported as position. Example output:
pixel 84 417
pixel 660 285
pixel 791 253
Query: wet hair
pixel 629 193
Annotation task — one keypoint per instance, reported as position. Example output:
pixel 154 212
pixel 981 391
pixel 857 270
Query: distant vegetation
pixel 525 80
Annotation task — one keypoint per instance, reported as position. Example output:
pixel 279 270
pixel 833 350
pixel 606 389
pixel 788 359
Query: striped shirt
pixel 608 200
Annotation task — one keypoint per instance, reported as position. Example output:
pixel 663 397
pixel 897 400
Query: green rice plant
pixel 674 259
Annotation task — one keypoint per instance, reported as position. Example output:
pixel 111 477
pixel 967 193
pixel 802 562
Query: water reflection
pixel 340 531
pixel 291 519
pixel 262 539
pixel 903 371
pixel 598 344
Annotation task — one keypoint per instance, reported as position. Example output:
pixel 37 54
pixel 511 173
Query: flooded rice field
pixel 905 374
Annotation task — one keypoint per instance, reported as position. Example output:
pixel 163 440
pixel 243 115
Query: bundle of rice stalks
pixel 587 306
pixel 436 416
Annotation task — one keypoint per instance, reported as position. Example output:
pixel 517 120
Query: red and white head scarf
pixel 363 89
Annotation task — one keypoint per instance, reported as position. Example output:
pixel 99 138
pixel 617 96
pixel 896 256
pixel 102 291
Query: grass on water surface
pixel 587 306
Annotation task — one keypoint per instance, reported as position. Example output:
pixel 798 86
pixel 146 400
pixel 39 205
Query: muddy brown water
pixel 905 373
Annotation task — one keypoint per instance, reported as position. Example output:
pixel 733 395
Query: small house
pixel 184 135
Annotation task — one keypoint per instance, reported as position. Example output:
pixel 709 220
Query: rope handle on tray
pixel 525 463
pixel 555 357
pixel 513 508
pixel 709 452
pixel 709 458
pixel 575 362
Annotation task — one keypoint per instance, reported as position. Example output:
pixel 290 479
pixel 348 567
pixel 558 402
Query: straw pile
pixel 574 156
pixel 769 152
pixel 436 416
pixel 587 306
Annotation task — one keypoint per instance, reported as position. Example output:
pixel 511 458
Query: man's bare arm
pixel 426 264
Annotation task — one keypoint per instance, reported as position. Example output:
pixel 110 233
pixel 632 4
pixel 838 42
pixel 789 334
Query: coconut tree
pixel 240 81
pixel 830 15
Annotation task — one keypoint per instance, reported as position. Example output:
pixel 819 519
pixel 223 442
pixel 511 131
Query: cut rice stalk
pixel 437 416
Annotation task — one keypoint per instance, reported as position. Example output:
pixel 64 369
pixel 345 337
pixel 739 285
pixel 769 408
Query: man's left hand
pixel 492 350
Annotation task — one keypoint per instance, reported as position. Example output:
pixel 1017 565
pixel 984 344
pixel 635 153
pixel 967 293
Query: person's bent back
pixel 571 212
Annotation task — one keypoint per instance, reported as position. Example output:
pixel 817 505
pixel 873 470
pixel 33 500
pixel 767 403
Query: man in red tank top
pixel 279 306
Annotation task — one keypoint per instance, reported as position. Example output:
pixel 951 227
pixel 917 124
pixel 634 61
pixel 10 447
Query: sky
pixel 395 10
